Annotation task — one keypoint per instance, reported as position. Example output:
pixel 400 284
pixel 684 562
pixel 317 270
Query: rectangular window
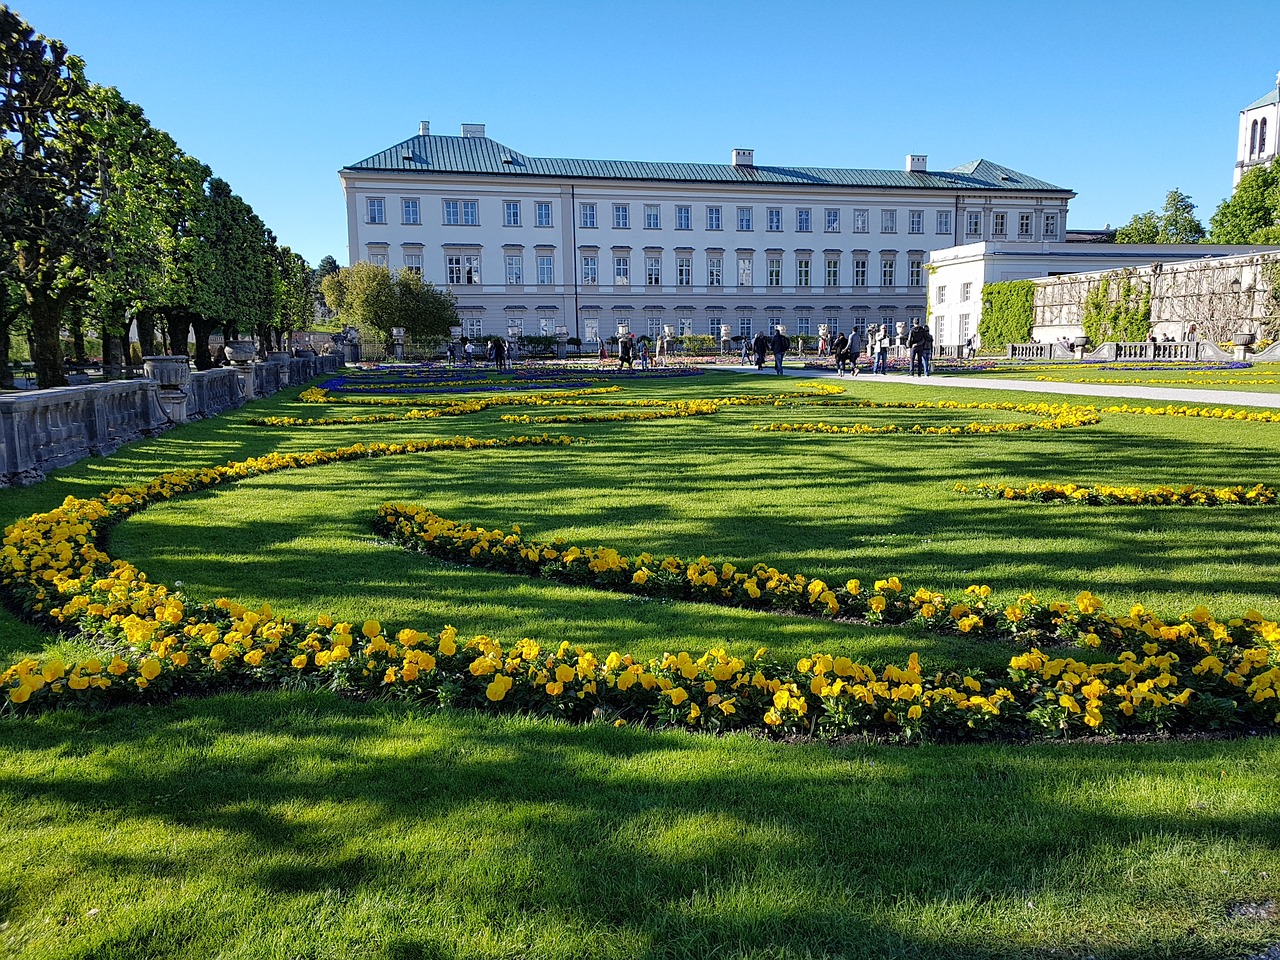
pixel 543 214
pixel 915 273
pixel 966 291
pixel 686 326
pixel 973 224
pixel 453 268
pixel 833 271
pixel 591 329
pixel 511 213
pixel 1051 226
pixel 744 326
pixel 546 270
pixel 377 210
pixel 860 271
pixel 804 220
pixel 378 259
pixel 451 215
pixel 1024 225
pixel 915 221
pixel 803 271
pixel 833 220
pixel 470 213
pixel 622 271
pixel 744 271
pixel 888 221
pixel 940 294
pixel 684 271
pixel 944 222
pixel 515 270
pixel 998 224
pixel 861 221
pixel 744 218
pixel 409 212
pixel 653 271
pixel 774 267
pixel 684 218
pixel 774 219
pixel 588 214
pixel 590 270
pixel 475 328
pixel 413 263
pixel 715 271
pixel 713 218
pixel 471 268
pixel 887 265
pixel 652 219
pixel 964 327
pixel 621 216
pixel 802 326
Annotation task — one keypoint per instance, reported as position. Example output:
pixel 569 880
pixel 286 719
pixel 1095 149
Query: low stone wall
pixel 41 430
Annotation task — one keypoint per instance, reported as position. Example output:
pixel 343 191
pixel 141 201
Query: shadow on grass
pixel 650 845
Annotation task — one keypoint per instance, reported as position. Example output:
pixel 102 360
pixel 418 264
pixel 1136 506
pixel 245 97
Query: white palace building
pixel 539 245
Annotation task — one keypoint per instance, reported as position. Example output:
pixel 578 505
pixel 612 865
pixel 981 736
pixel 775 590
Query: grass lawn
pixel 1260 378
pixel 302 825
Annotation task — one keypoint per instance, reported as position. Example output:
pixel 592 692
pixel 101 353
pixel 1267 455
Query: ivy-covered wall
pixel 1118 309
pixel 1007 313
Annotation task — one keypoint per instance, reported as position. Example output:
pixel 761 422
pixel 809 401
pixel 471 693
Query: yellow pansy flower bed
pixel 1106 495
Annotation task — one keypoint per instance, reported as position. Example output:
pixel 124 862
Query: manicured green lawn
pixel 1260 378
pixel 303 825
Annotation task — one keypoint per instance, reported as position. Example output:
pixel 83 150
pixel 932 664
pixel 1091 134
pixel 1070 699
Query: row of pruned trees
pixel 107 226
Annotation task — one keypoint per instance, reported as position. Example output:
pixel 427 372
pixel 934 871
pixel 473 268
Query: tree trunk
pixel 203 328
pixel 146 332
pixel 179 324
pixel 112 362
pixel 46 332
pixel 6 371
pixel 78 353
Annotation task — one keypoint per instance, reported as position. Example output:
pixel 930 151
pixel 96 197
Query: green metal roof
pixel 1269 97
pixel 481 155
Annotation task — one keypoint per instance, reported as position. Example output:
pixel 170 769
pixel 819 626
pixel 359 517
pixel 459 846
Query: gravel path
pixel 1118 391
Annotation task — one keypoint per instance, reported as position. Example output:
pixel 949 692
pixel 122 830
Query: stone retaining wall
pixel 41 430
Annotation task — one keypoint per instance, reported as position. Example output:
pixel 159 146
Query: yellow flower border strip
pixel 676 408
pixel 1211 413
pixel 1056 417
pixel 158 644
pixel 1106 495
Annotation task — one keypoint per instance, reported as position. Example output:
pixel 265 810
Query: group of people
pixel 760 345
pixel 848 348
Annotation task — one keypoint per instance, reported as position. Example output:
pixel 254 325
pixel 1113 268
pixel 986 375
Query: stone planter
pixel 278 356
pixel 240 351
pixel 1079 342
pixel 1244 339
pixel 171 373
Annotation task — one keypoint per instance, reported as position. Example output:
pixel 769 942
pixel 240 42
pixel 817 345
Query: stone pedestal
pixel 248 375
pixel 173 374
pixel 1241 353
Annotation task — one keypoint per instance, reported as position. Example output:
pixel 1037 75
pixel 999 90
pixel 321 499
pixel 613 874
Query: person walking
pixel 469 351
pixel 643 348
pixel 881 362
pixel 840 353
pixel 746 350
pixel 624 353
pixel 915 344
pixel 926 352
pixel 855 349
pixel 604 352
pixel 760 346
pixel 780 345
pixel 500 355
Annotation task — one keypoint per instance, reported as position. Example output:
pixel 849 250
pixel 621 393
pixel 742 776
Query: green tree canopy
pixel 1175 223
pixel 1252 210
pixel 369 297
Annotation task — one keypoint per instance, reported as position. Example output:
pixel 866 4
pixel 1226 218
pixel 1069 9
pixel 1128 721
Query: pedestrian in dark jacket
pixel 855 349
pixel 760 346
pixel 624 353
pixel 840 351
pixel 915 343
pixel 780 345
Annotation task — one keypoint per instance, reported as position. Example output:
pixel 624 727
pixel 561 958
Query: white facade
pixel 1259 132
pixel 529 244
pixel 956 275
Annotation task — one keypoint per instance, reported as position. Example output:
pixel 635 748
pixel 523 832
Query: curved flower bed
pixel 676 408
pixel 1105 495
pixel 156 643
pixel 1212 413
pixel 320 395
pixel 1055 417
pixel 1165 381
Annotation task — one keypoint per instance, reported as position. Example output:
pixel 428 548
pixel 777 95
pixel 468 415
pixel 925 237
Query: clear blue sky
pixel 1119 100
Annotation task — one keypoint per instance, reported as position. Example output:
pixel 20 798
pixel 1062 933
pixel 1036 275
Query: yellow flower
pixel 678 695
pixel 150 669
pixel 498 688
pixel 300 661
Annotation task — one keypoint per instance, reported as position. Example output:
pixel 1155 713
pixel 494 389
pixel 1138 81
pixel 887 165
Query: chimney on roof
pixel 473 129
pixel 917 163
pixel 742 157
pixel 424 128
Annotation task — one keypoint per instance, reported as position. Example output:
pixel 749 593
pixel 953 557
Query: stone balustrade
pixel 41 430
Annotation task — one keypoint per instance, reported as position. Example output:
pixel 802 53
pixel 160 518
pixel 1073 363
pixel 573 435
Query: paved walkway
pixel 1115 391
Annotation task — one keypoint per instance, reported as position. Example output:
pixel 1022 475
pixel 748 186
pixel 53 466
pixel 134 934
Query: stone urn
pixel 1079 342
pixel 1244 339
pixel 278 356
pixel 240 351
pixel 172 373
